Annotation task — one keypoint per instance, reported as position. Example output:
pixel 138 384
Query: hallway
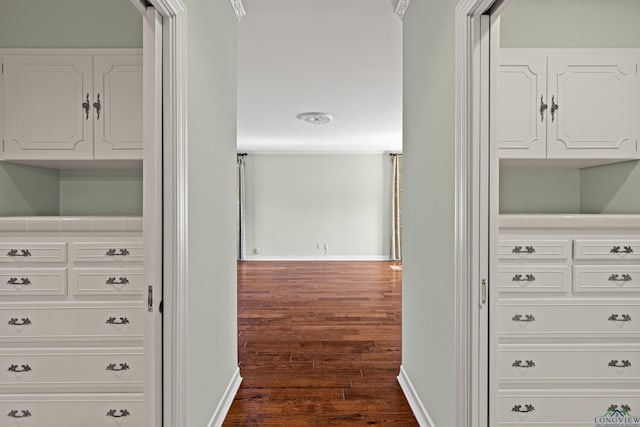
pixel 319 344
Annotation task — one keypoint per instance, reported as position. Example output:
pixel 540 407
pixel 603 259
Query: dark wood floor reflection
pixel 319 345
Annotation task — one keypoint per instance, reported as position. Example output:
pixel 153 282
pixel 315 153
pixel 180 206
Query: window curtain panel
pixel 396 207
pixel 242 239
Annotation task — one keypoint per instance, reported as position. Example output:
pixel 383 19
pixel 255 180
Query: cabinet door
pixel 522 94
pixel 118 89
pixel 44 115
pixel 596 107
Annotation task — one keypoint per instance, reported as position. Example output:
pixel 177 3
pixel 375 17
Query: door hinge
pixel 483 292
pixel 150 299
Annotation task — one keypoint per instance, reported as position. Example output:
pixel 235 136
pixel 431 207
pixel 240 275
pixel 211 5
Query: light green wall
pixel 611 189
pixel 428 335
pixel 543 190
pixel 212 301
pixel 101 192
pixel 69 24
pixel 294 202
pixel 571 23
pixel 26 190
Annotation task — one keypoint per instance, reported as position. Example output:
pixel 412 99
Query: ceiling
pixel 340 57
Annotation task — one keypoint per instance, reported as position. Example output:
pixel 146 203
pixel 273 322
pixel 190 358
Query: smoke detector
pixel 315 118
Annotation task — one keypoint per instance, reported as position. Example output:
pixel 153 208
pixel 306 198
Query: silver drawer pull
pixel 21 252
pixel 523 318
pixel 619 318
pixel 19 322
pixel 18 369
pixel 622 364
pixel 119 281
pixel 621 250
pixel 114 413
pixel 527 408
pixel 19 414
pixel 526 250
pixel 24 281
pixel 115 368
pixel 526 364
pixel 118 252
pixel 524 278
pixel 114 321
pixel 620 278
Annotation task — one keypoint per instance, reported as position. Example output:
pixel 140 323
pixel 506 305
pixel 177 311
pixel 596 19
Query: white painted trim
pixel 141 5
pixel 319 258
pixel 227 399
pixel 70 51
pixel 419 411
pixel 401 8
pixel 238 9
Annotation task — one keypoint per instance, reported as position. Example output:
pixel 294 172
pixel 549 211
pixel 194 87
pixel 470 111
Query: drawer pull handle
pixel 114 281
pixel 527 408
pixel 18 369
pixel 114 321
pixel 621 250
pixel 523 318
pixel 526 250
pixel 524 278
pixel 620 278
pixel 21 252
pixel 19 414
pixel 622 364
pixel 114 367
pixel 19 322
pixel 526 364
pixel 118 252
pixel 24 281
pixel 114 413
pixel 620 318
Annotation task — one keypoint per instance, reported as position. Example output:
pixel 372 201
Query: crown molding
pixel 238 8
pixel 401 8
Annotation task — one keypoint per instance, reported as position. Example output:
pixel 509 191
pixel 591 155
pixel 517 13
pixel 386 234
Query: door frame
pixel 473 196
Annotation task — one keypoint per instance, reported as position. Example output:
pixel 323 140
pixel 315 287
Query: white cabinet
pixel 72 107
pixel 567 104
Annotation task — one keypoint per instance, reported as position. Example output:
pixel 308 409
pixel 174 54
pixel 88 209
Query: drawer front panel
pixel 106 282
pixel 29 252
pixel 99 410
pixel 533 250
pixel 111 252
pixel 558 363
pixel 24 282
pixel 610 279
pixel 557 409
pixel 531 278
pixel 568 319
pixel 607 249
pixel 69 323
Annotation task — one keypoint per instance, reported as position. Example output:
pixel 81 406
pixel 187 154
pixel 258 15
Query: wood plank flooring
pixel 319 345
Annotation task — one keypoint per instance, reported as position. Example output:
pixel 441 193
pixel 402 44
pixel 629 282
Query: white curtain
pixel 396 206
pixel 242 247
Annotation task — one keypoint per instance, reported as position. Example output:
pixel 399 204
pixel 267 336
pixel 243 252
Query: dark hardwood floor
pixel 319 345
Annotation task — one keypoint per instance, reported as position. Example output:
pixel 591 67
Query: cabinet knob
pixel 523 409
pixel 620 278
pixel 621 250
pixel 524 278
pixel 118 367
pixel 24 281
pixel 118 252
pixel 620 318
pixel 523 318
pixel 554 107
pixel 543 108
pixel 621 364
pixel 19 253
pixel 526 364
pixel 114 321
pixel 98 106
pixel 119 281
pixel 525 250
pixel 19 369
pixel 14 413
pixel 114 413
pixel 86 106
pixel 19 322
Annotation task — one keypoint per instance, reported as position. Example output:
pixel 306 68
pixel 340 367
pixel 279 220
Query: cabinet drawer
pixel 112 252
pixel 106 282
pixel 525 250
pixel 557 363
pixel 25 282
pixel 115 369
pixel 71 323
pixel 29 252
pixel 609 249
pixel 532 278
pixel 520 320
pixel 555 409
pixel 610 279
pixel 73 410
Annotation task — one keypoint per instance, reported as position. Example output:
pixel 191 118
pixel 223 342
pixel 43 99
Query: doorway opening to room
pixel 319 191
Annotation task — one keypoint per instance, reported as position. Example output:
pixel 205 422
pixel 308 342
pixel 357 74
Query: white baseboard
pixel 319 258
pixel 227 399
pixel 415 403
